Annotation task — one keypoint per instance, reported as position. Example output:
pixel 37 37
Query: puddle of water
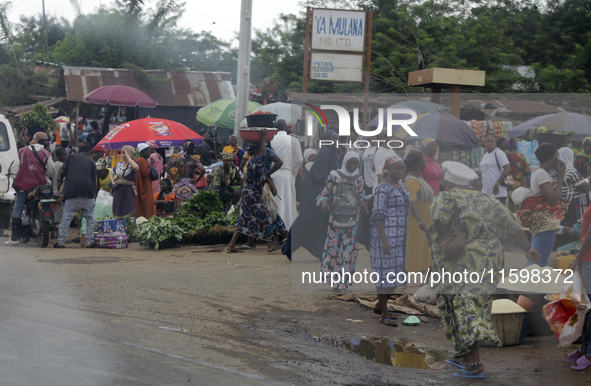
pixel 396 352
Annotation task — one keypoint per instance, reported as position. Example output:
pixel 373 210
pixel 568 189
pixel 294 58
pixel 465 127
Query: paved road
pixel 50 336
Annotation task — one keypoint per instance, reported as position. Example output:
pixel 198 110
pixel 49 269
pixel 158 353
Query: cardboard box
pixel 111 242
pixel 111 227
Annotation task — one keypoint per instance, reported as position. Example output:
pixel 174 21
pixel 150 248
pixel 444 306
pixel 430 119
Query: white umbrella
pixel 286 111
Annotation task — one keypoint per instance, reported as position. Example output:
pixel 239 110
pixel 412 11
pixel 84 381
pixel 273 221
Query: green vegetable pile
pixel 157 230
pixel 202 216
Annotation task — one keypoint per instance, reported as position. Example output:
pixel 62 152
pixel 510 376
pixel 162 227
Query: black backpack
pixel 345 202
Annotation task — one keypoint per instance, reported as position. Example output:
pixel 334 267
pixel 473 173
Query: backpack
pixel 345 202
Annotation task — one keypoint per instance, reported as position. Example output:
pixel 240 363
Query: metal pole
pixel 45 27
pixel 306 48
pixel 242 90
pixel 367 64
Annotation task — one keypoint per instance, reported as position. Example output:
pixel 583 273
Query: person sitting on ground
pixel 226 181
pixel 164 200
pixel 235 150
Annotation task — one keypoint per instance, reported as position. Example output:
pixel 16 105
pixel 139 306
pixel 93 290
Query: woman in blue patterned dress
pixel 340 248
pixel 389 226
pixel 254 220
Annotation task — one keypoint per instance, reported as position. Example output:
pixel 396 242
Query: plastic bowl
pixel 253 135
pixel 261 120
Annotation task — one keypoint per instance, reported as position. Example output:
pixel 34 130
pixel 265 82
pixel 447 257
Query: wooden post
pixel 76 124
pixel 367 64
pixel 306 58
pixel 436 94
pixel 455 97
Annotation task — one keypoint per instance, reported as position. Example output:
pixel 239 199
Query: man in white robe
pixel 288 149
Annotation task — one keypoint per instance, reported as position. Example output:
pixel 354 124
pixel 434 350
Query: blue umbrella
pixel 579 123
pixel 449 131
pixel 419 107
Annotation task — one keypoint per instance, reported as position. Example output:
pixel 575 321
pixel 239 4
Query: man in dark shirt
pixel 206 150
pixel 79 172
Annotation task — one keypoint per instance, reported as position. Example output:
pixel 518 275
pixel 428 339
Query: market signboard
pixel 335 30
pixel 337 67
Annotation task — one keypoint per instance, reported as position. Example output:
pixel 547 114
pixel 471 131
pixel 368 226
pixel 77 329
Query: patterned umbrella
pixel 164 132
pixel 579 123
pixel 222 112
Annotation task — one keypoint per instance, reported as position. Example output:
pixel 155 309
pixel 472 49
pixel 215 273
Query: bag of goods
pixel 566 317
pixel 111 242
pixel 426 294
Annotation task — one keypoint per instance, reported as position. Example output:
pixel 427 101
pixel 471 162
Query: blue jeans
pixel 71 207
pixel 19 203
pixel 543 242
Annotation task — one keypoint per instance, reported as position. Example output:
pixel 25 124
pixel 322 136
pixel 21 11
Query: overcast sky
pixel 199 15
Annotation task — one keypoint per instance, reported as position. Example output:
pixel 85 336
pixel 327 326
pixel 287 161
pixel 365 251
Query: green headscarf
pixel 582 152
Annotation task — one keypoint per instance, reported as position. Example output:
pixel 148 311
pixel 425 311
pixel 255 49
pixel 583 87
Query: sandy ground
pixel 238 311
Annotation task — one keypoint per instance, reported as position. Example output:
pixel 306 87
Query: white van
pixel 8 153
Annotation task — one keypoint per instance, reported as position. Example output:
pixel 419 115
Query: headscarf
pixel 425 143
pixel 545 152
pixel 187 144
pixel 457 173
pixel 348 156
pixel 308 153
pixel 98 149
pixel 511 144
pixel 389 161
pixel 326 161
pixel 582 153
pixel 227 157
pixel 130 150
pixel 567 155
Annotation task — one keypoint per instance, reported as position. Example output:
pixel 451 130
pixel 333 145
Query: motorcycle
pixel 37 218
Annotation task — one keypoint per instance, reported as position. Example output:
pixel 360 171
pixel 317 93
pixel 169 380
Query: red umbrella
pixel 119 95
pixel 162 131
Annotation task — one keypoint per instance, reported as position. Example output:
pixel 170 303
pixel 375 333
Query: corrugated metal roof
pixel 187 89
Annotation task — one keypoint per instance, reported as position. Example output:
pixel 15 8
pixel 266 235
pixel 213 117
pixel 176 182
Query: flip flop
pixel 572 357
pixel 245 248
pixel 468 375
pixel 275 247
pixel 393 324
pixel 581 364
pixel 377 311
pixel 456 363
pixel 233 251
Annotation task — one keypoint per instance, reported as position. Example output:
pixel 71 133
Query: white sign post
pixel 337 67
pixel 334 30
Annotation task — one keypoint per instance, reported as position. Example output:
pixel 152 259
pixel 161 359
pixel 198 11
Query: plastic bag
pixel 426 294
pixel 104 198
pixel 573 328
pixel 557 314
pixel 270 202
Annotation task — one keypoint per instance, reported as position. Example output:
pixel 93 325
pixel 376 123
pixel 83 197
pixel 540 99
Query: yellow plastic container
pixel 563 262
